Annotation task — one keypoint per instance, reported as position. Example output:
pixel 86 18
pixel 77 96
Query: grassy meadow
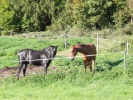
pixel 109 81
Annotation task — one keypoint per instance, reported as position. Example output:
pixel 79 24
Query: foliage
pixel 6 16
pixel 122 15
pixel 31 16
pixel 24 15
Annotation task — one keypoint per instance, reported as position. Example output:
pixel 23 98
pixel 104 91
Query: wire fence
pixel 65 57
pixel 122 60
pixel 112 45
pixel 101 44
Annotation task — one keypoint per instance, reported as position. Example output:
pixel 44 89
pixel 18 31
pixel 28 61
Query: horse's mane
pixel 49 47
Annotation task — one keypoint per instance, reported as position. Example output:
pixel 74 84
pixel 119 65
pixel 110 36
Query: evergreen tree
pixel 121 15
pixel 130 5
pixel 39 15
pixel 32 15
pixel 6 15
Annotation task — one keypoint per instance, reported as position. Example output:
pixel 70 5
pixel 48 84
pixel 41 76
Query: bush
pixel 5 32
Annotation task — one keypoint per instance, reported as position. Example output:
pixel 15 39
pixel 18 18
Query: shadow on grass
pixel 114 64
pixel 111 64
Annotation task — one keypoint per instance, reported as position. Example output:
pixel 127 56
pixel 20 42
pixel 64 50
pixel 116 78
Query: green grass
pixel 10 46
pixel 68 82
pixel 68 86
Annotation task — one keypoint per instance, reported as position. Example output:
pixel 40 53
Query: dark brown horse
pixel 89 54
pixel 36 57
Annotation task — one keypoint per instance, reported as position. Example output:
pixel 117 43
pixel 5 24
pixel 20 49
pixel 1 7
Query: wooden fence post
pixel 127 45
pixel 39 38
pixel 11 32
pixel 125 53
pixel 65 42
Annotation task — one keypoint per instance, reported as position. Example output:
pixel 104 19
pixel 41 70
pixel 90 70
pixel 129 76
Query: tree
pixel 57 15
pixel 121 15
pixel 32 15
pixel 130 5
pixel 6 15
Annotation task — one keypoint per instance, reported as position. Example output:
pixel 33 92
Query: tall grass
pixel 10 46
pixel 67 81
pixel 68 86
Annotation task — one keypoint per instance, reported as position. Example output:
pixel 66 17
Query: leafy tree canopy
pixel 41 15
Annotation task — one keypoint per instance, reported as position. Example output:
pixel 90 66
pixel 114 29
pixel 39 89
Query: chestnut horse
pixel 89 54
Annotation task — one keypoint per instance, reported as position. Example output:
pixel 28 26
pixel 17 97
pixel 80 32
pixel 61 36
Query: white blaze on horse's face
pixel 72 54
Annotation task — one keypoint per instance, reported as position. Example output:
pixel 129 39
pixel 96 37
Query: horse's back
pixel 24 52
pixel 37 57
pixel 28 54
pixel 92 48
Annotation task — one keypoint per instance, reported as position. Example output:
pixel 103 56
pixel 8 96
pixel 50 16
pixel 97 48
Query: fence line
pixel 110 40
pixel 75 57
pixel 65 57
pixel 26 35
pixel 67 36
pixel 98 43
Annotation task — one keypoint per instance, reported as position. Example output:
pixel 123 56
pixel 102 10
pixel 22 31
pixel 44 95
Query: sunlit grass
pixel 68 81
pixel 67 86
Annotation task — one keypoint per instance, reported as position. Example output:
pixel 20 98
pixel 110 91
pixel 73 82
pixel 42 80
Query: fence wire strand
pixel 65 57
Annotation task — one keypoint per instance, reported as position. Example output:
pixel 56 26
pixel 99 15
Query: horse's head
pixel 73 52
pixel 54 49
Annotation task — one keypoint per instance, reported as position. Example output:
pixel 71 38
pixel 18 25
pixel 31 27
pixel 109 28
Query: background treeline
pixel 58 15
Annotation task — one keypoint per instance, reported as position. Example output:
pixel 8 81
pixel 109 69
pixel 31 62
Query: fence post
pixel 97 43
pixel 26 35
pixel 65 42
pixel 11 32
pixel 125 53
pixel 39 38
pixel 127 47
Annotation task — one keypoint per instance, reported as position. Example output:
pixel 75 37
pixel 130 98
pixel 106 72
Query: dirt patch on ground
pixel 8 72
pixel 12 71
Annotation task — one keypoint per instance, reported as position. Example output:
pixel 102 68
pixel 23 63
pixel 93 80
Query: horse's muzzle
pixel 72 58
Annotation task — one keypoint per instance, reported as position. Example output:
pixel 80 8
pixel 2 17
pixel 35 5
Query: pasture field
pixel 67 80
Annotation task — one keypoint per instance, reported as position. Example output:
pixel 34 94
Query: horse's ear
pixel 57 46
pixel 72 46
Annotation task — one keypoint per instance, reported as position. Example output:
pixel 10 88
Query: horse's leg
pixel 91 65
pixel 45 68
pixel 19 69
pixel 85 64
pixel 24 69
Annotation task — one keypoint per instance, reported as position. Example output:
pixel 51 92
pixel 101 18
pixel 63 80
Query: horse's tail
pixel 21 55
